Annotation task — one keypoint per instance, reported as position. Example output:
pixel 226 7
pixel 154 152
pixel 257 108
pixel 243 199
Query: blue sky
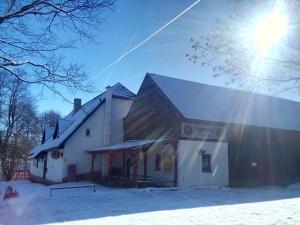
pixel 131 22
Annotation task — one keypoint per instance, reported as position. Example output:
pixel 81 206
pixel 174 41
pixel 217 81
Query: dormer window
pixel 88 132
pixel 44 137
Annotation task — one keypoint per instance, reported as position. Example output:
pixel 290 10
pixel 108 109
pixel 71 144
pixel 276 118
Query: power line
pixel 149 37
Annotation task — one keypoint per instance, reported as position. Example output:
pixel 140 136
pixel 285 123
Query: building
pixel 183 133
pixel 61 155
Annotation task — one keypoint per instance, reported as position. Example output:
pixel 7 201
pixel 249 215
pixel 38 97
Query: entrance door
pixel 71 172
pixel 245 164
pixel 45 168
pixel 128 163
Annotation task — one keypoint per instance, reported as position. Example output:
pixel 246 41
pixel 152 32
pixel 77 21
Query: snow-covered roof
pixel 63 124
pixel 73 120
pixel 218 104
pixel 131 144
pixel 48 133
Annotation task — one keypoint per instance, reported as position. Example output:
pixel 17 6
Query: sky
pixel 128 24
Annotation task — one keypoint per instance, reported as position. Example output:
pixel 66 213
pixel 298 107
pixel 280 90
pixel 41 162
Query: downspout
pixel 107 122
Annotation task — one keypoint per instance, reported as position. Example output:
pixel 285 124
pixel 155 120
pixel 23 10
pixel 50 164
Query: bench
pixel 153 183
pixel 71 187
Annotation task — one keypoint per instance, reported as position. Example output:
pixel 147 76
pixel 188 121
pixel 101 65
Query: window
pixel 206 166
pixel 36 163
pixel 87 132
pixel 167 163
pixel 158 161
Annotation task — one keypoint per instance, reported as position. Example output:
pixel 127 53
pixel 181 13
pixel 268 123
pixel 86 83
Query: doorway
pixel 128 165
pixel 45 167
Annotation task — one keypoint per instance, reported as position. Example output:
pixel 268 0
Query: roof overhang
pixel 130 145
pixel 43 152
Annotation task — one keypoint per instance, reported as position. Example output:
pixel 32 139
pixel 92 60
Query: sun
pixel 270 30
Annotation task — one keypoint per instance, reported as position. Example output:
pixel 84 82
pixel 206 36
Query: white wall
pixel 165 174
pixel 54 168
pixel 190 164
pixel 167 156
pixel 120 108
pixel 78 143
pixel 37 171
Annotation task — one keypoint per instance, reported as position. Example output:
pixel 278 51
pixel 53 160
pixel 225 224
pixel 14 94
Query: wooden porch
pixel 132 157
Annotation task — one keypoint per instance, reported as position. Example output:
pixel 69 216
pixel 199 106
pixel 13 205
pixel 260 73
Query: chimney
pixel 77 104
pixel 107 122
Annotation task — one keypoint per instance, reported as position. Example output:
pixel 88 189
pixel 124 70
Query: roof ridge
pixel 228 105
pixel 118 83
pixel 221 87
pixel 122 86
pixel 65 119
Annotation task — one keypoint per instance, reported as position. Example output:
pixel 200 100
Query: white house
pixel 61 156
pixel 176 133
pixel 183 133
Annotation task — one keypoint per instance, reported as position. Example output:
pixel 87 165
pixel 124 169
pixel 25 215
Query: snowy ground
pixel 150 206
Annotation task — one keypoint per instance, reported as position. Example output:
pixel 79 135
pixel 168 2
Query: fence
pixel 21 174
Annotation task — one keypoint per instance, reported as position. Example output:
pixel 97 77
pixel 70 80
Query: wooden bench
pixel 71 187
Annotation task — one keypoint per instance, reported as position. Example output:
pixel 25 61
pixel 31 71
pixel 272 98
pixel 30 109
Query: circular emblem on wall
pixel 55 154
pixel 188 130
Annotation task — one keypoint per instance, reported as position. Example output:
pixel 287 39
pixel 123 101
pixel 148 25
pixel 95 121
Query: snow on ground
pixel 150 206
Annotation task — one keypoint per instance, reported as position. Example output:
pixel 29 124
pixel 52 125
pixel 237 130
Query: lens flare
pixel 270 30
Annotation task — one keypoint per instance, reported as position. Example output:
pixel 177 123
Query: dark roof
pixel 69 124
pixel 218 104
pixel 122 92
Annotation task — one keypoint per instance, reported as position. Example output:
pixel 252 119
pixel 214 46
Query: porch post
pixel 175 144
pixel 93 163
pixel 124 164
pixel 145 164
pixel 176 169
pixel 135 167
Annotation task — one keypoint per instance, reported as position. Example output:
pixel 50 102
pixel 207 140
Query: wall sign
pixel 190 130
pixel 55 154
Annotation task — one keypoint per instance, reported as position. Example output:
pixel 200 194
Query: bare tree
pixel 49 119
pixel 230 49
pixel 18 123
pixel 34 33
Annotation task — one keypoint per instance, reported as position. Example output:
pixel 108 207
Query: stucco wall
pixel 37 171
pixel 120 108
pixel 78 143
pixel 54 168
pixel 166 173
pixel 190 164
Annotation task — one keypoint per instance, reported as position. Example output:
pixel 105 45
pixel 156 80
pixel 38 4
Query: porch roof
pixel 128 145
